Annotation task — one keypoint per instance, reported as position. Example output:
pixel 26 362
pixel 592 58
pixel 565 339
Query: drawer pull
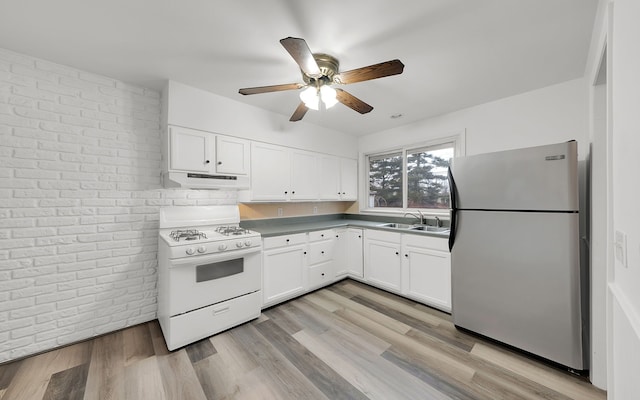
pixel 221 310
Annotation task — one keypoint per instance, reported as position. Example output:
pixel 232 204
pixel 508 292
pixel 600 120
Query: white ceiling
pixel 457 53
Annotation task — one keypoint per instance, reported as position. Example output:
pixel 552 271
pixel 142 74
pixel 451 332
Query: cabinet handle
pixel 322 235
pixel 287 240
pixel 359 236
pixel 322 252
pixel 337 236
pixel 219 162
pixel 207 162
pixel 304 252
pixel 343 193
pixel 293 192
pixel 322 274
pixel 285 192
pixel 397 253
pixel 406 255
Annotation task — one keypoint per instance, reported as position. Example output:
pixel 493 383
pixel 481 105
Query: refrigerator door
pixel 536 178
pixel 516 279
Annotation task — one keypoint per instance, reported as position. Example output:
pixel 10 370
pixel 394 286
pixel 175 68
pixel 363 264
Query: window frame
pixel 458 142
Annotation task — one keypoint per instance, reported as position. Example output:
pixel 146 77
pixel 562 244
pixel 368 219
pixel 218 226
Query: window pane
pixel 427 184
pixel 385 180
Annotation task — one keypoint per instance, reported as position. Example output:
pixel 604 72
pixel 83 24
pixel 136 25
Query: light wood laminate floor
pixel 346 341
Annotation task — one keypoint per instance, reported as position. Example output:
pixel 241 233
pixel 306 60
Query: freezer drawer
pixel 516 278
pixel 542 178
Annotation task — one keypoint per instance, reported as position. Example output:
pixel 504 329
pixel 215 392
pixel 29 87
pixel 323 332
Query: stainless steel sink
pixel 397 226
pixel 414 227
pixel 429 228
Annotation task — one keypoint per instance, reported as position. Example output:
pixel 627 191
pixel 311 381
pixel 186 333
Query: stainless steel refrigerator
pixel 515 250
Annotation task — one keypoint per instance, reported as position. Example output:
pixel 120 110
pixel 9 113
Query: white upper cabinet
pixel 329 182
pixel 191 150
pixel 348 179
pixel 232 155
pixel 338 178
pixel 269 172
pixel 281 173
pixel 304 175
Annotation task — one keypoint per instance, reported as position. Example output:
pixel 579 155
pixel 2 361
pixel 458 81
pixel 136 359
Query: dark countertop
pixel 291 225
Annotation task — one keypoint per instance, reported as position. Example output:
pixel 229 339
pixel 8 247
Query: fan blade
pixel 299 112
pixel 387 68
pixel 273 88
pixel 302 55
pixel 352 102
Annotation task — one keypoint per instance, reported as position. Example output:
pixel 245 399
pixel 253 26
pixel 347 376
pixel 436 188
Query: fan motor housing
pixel 328 67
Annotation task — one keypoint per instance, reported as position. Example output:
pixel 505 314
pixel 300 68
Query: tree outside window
pixel 426 186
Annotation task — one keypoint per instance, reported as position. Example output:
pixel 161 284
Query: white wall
pixel 625 288
pixel 548 115
pixel 601 213
pixel 79 199
pixel 195 108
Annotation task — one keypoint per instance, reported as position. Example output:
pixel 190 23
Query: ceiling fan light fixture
pixel 328 96
pixel 310 98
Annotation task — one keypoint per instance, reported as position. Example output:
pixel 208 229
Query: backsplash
pixel 271 210
pixel 79 196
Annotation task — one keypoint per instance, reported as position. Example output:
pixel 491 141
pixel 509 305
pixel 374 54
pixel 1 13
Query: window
pixel 414 177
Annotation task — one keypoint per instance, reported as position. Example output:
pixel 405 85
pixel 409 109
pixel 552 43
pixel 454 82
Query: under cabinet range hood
pixel 192 180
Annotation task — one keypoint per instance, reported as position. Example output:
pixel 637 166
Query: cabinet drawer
pixel 204 322
pixel 320 275
pixel 426 242
pixel 284 240
pixel 321 235
pixel 320 252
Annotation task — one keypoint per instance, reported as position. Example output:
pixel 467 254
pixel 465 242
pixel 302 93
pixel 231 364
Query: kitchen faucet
pixel 421 218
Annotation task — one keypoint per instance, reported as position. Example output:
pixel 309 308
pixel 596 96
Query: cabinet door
pixel 304 177
pixel 232 155
pixel 348 179
pixel 284 273
pixel 355 261
pixel 190 150
pixel 329 182
pixel 340 252
pixel 382 264
pixel 426 276
pixel 269 172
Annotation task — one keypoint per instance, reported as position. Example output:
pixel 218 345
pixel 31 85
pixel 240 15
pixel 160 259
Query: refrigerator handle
pixel 454 208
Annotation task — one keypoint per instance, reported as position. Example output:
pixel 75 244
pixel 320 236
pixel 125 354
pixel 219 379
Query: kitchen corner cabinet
pixel 191 150
pixel 284 272
pixel 382 260
pixel 349 257
pixel 426 270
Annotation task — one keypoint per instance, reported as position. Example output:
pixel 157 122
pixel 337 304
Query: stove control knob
pixel 238 244
pixel 190 250
pixel 202 249
pixel 247 243
pixel 222 247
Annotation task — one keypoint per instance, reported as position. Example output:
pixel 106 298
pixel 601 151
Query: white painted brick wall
pixel 80 161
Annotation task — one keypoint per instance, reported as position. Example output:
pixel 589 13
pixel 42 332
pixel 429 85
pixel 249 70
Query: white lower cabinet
pixel 320 258
pixel 382 261
pixel 426 271
pixel 349 258
pixel 283 267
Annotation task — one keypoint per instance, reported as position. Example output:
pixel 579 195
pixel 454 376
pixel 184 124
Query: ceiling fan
pixel 319 72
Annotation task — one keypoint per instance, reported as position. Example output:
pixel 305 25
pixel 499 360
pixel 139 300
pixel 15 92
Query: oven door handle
pixel 212 258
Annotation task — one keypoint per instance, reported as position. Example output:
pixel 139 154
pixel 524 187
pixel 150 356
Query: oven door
pixel 200 281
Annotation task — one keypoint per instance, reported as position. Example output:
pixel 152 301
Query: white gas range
pixel 209 272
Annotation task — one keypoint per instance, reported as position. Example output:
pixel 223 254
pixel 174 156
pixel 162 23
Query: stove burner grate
pixel 187 234
pixel 232 230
